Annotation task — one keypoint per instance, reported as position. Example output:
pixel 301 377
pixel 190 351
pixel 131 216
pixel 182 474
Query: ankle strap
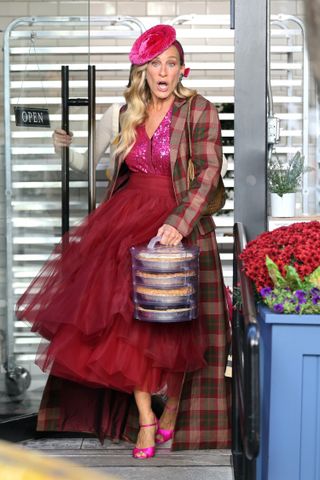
pixel 149 425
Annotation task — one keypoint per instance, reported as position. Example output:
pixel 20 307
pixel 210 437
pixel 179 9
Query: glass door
pixel 35 50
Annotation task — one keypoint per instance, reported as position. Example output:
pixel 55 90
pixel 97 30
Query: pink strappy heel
pixel 165 434
pixel 148 452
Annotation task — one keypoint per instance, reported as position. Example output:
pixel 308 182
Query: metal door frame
pixel 250 119
pixel 9 353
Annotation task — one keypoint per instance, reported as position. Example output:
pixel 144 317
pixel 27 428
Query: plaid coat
pixel 203 419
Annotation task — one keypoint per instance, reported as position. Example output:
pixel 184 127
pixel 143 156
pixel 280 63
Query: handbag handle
pixel 190 169
pixel 188 126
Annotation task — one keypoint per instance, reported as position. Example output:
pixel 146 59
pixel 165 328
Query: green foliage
pixel 290 294
pixel 286 301
pixel 291 279
pixel 274 273
pixel 285 177
pixel 314 278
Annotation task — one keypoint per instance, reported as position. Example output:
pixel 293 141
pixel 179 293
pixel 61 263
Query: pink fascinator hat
pixel 153 42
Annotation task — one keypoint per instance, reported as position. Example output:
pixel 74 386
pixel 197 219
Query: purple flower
pixel 315 291
pixel 315 295
pixel 278 307
pixel 301 296
pixel 297 309
pixel 315 299
pixel 265 292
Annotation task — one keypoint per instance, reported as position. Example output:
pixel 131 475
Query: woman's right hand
pixel 60 139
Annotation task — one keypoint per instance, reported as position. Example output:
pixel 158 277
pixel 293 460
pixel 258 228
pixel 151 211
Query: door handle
pixel 232 14
pixel 67 102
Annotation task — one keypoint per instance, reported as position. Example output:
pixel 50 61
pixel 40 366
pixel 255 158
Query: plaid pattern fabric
pixel 206 158
pixel 204 412
pixel 49 412
pixel 203 419
pixel 70 407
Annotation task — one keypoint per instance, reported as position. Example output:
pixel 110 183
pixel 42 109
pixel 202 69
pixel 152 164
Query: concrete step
pixel 116 459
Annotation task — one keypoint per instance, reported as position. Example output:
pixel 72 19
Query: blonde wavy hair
pixel 138 97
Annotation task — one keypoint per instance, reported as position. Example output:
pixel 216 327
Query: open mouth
pixel 163 86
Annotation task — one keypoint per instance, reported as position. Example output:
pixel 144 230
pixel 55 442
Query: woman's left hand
pixel 169 235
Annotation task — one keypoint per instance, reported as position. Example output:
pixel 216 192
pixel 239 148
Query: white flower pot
pixel 284 206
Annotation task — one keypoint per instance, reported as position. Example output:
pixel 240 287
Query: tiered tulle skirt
pixel 81 301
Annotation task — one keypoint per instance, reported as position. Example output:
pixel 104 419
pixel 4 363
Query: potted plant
pixel 284 179
pixel 284 265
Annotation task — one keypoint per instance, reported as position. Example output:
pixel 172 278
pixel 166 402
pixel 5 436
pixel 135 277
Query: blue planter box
pixel 290 396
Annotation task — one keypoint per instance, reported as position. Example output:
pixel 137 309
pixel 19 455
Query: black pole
pixel 237 445
pixel 232 14
pixel 65 150
pixel 91 137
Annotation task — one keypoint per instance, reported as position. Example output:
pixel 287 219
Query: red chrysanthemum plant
pixel 284 265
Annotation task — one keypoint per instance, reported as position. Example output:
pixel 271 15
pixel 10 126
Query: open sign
pixel 32 117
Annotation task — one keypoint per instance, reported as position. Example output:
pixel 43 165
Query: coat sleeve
pixel 207 160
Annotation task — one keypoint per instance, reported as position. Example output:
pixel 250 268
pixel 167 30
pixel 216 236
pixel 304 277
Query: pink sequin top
pixel 152 155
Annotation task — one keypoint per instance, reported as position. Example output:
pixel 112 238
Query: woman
pixel 81 300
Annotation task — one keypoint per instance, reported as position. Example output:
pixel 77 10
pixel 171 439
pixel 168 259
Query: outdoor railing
pixel 245 370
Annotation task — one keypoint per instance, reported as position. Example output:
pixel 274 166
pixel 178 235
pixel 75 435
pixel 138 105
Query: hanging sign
pixel 32 117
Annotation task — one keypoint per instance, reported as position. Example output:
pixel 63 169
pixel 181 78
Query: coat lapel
pixel 179 115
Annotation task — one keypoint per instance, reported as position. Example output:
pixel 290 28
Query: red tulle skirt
pixel 81 301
